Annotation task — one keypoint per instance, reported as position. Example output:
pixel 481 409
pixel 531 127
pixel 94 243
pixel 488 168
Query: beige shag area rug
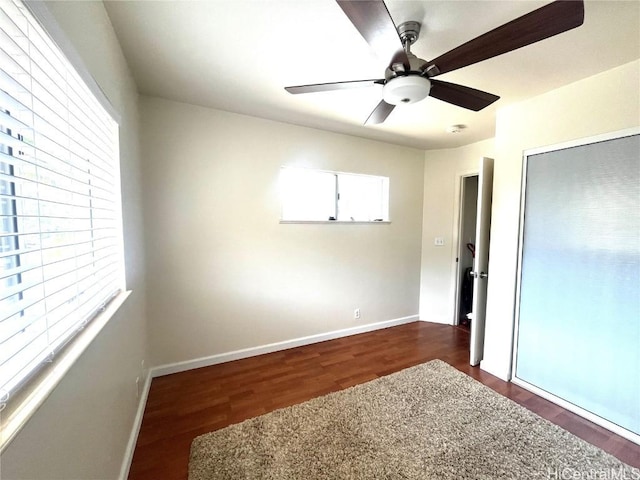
pixel 426 422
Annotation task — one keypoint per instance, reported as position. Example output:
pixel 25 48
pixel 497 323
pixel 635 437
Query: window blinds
pixel 60 243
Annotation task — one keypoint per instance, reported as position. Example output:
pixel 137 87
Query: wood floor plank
pixel 184 405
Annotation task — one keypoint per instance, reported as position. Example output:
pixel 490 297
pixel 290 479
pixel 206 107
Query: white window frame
pixel 336 214
pixel 21 404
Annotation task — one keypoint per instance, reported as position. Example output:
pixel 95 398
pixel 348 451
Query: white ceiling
pixel 238 55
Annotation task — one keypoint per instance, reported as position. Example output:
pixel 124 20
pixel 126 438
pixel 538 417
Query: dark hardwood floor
pixel 185 405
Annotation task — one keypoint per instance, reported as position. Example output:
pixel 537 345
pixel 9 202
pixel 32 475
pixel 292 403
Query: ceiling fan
pixel 409 79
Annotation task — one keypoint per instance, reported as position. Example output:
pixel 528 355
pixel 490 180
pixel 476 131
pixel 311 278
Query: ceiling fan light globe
pixel 406 89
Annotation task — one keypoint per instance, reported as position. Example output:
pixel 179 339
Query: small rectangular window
pixel 317 195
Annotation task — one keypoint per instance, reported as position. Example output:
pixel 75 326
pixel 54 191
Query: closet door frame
pixel 623 432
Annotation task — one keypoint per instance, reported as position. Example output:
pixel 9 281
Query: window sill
pixel 19 409
pixel 341 222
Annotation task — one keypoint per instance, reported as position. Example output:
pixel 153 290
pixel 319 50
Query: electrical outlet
pixel 356 313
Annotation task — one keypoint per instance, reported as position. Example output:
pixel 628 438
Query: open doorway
pixel 473 236
pixel 466 249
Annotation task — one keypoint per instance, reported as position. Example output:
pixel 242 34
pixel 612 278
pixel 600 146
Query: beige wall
pixel 603 103
pixel 82 429
pixel 442 172
pixel 224 274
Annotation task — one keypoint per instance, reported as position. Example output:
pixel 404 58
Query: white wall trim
pixel 433 318
pixel 17 412
pixel 237 355
pixel 135 429
pixel 275 347
pixel 592 417
pixel 41 12
pixel 495 369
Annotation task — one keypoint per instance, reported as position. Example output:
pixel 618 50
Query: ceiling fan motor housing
pixel 406 89
pixel 408 78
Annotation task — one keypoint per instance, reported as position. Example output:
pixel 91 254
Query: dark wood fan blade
pixel 372 19
pixel 461 96
pixel 545 22
pixel 380 113
pixel 326 87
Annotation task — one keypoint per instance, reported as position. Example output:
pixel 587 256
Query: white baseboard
pixel 496 370
pixel 237 355
pixel 592 417
pixel 439 320
pixel 135 430
pixel 275 347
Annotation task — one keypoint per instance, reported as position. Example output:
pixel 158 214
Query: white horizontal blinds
pixel 59 190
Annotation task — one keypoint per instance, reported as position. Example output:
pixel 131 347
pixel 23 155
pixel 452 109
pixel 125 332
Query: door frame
pixel 572 407
pixel 456 275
